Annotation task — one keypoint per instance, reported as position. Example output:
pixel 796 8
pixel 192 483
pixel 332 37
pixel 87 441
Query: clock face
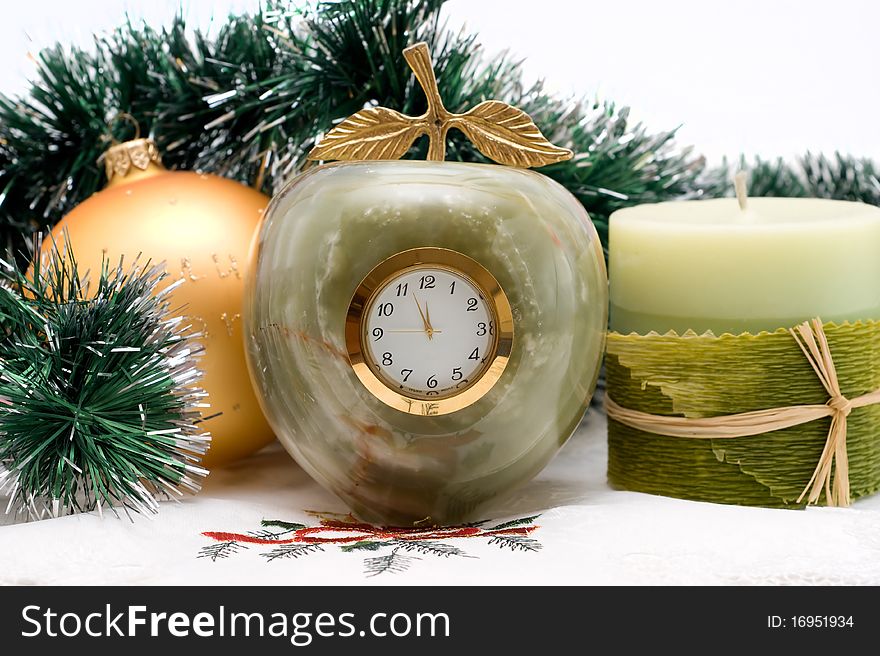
pixel 429 331
pixel 433 331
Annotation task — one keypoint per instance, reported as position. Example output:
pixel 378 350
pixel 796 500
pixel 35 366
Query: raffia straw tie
pixel 811 339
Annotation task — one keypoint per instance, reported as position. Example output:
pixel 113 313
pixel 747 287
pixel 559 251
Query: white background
pixel 769 77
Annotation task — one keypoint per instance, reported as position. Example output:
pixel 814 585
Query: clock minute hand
pixel 431 330
pixel 428 330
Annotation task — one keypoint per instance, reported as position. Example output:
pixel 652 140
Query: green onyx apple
pixel 425 335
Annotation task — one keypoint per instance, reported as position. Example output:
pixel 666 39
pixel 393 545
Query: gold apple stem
pixel 436 118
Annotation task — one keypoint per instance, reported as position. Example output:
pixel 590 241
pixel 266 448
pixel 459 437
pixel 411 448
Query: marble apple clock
pixel 425 335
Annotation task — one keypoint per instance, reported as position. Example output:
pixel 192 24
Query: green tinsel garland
pixel 97 404
pixel 251 101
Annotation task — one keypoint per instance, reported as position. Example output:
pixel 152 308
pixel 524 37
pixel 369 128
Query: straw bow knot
pixel 811 338
pixel 841 405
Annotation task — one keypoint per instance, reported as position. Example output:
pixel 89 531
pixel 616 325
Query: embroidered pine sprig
pixel 363 545
pixel 516 542
pixel 220 550
pixel 515 522
pixel 97 403
pixel 391 563
pixel 292 550
pixel 265 534
pixel 352 536
pixel 431 548
pixel 287 526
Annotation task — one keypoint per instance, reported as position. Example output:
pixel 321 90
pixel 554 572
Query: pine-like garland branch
pixel 840 177
pixel 98 407
pixel 252 100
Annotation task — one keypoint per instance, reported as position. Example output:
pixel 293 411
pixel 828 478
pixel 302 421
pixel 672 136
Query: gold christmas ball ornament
pixel 200 226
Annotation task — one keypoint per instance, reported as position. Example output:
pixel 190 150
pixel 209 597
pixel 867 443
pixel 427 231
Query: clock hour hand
pixel 428 330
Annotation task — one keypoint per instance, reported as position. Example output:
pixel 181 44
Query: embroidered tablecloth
pixel 263 521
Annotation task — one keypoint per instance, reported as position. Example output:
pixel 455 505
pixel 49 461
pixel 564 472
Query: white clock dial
pixel 429 332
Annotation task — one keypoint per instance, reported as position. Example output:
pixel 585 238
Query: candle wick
pixel 742 192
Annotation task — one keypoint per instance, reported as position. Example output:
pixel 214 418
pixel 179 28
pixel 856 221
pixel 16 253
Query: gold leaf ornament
pixel 507 135
pixel 499 131
pixel 373 133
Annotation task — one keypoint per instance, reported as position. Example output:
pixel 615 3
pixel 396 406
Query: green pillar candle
pixel 729 273
pixel 710 265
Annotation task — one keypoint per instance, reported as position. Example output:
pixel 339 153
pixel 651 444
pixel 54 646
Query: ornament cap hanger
pixel 127 161
pixel 501 132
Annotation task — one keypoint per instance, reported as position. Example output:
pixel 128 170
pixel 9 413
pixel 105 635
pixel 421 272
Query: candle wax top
pixel 708 265
pixel 760 214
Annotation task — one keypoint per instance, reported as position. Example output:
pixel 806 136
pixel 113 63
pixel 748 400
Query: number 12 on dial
pixel 429 331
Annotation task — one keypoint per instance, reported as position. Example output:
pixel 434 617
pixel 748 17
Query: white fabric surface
pixel 588 534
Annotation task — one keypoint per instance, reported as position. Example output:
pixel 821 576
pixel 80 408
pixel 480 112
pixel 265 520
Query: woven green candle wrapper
pixel 707 376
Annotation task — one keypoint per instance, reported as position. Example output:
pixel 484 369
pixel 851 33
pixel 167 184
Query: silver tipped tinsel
pixel 99 403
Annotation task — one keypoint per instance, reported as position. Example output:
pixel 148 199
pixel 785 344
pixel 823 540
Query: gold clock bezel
pixel 396 265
